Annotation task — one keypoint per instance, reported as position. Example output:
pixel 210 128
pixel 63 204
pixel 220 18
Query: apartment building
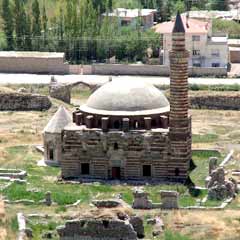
pixel 205 48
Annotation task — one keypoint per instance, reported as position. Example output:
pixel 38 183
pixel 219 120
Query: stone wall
pixel 218 101
pixel 23 102
pixel 97 230
pixel 134 149
pixel 151 70
pixel 33 62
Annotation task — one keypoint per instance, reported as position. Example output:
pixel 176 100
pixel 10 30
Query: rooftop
pixel 60 119
pixel 131 13
pixel 130 99
pixel 190 26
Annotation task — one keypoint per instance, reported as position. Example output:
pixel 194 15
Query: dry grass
pixel 217 225
pixel 3 232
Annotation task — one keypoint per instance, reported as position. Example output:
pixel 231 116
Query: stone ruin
pixel 95 229
pixel 141 200
pixel 218 187
pixel 213 161
pixel 169 199
pixel 112 220
pixel 62 91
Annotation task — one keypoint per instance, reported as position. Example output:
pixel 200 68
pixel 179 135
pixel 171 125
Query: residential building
pixel 206 49
pixel 130 17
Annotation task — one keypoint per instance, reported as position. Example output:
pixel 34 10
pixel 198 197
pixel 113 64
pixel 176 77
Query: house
pixel 206 49
pixel 130 17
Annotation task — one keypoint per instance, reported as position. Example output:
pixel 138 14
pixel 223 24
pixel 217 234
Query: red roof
pixel 193 26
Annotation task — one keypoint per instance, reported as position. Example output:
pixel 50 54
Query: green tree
pixel 44 25
pixel 19 23
pixel 221 5
pixel 179 6
pixel 28 34
pixel 8 25
pixel 36 24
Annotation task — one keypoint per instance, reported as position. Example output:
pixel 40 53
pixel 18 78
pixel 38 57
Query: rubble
pixel 218 187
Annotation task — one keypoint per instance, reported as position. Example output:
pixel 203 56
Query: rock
pixel 217 175
pixel 22 90
pixel 29 232
pixel 47 235
pixel 48 199
pixel 141 200
pixel 169 199
pixel 212 164
pixel 151 221
pixel 219 188
pixel 106 203
pixel 137 224
pixel 156 233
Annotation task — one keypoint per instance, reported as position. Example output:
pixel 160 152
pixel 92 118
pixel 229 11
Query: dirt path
pixel 3 233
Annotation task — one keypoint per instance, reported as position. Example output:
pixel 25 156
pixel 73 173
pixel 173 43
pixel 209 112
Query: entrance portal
pixel 116 173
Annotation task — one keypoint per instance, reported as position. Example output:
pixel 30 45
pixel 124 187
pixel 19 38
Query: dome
pixel 126 99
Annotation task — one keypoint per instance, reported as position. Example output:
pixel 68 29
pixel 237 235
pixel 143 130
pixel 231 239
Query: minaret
pixel 180 122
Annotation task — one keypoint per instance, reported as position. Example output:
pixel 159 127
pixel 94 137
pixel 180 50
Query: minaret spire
pixel 178 26
pixel 179 121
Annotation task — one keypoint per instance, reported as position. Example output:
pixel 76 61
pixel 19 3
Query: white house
pixel 130 17
pixel 206 49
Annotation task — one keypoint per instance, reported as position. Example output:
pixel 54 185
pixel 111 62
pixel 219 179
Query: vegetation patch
pixel 206 138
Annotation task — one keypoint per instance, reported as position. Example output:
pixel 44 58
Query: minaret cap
pixel 178 27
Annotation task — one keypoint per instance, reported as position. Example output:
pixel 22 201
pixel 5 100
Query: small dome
pixel 126 98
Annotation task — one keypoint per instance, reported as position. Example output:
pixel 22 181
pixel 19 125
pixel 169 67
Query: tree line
pixel 78 28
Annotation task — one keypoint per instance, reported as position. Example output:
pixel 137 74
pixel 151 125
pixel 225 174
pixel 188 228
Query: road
pixel 96 79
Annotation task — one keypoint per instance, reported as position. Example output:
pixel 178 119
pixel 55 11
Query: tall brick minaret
pixel 180 122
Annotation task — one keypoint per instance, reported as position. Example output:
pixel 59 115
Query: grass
pixel 201 160
pixel 43 179
pixel 39 228
pixel 205 138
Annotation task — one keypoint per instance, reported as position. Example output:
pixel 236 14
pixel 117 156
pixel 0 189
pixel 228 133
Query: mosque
pixel 128 130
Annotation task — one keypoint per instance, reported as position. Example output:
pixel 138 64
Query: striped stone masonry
pixel 179 120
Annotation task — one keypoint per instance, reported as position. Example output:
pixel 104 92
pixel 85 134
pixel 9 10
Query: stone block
pixel 169 199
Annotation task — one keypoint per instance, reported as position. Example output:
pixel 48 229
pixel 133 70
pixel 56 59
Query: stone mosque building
pixel 128 131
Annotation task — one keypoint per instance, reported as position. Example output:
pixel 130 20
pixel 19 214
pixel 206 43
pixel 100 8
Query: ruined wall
pixel 104 151
pixel 52 141
pixel 218 101
pixel 97 230
pixel 23 102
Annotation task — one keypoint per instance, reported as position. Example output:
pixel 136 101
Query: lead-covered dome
pixel 126 98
